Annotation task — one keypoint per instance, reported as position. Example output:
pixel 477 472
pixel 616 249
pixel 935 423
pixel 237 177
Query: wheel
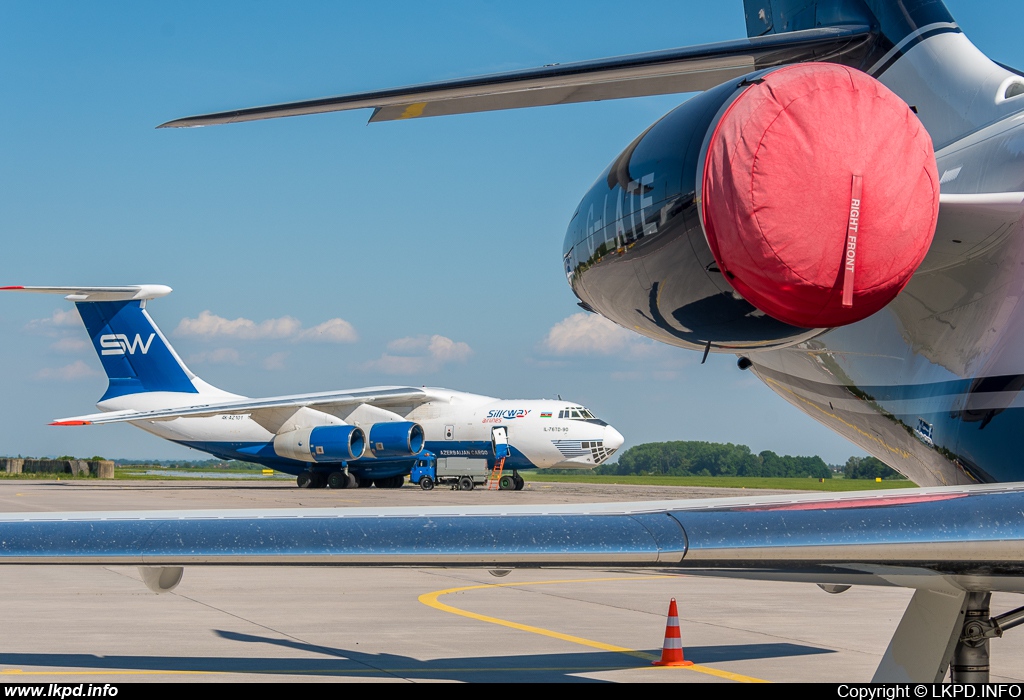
pixel 520 482
pixel 426 483
pixel 350 481
pixel 337 480
pixel 465 484
pixel 506 483
pixel 364 483
pixel 319 480
pixel 380 483
pixel 397 482
pixel 304 480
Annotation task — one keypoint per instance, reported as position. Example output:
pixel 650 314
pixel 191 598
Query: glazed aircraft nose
pixel 612 438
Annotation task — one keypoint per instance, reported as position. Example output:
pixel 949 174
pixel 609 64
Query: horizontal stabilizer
pixel 687 69
pixel 381 396
pixel 93 294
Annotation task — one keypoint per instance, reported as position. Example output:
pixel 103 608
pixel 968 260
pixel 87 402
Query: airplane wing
pixel 855 537
pixel 687 69
pixel 951 544
pixel 378 396
pixel 970 225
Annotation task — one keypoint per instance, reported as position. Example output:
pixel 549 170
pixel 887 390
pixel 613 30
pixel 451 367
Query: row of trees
pixel 869 468
pixel 695 458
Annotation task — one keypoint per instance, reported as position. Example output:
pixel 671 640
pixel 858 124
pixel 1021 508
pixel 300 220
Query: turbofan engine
pixel 322 444
pixel 760 212
pixel 397 439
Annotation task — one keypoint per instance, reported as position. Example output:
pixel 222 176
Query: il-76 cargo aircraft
pixel 361 437
pixel 841 208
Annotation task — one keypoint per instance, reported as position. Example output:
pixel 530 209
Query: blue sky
pixel 431 248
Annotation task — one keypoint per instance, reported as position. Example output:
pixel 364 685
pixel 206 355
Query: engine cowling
pixel 756 214
pixel 397 439
pixel 321 444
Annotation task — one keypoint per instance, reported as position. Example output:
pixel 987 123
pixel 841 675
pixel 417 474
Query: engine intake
pixel 820 194
pixel 398 439
pixel 734 220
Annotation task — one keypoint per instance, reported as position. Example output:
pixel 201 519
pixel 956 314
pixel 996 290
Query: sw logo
pixel 118 344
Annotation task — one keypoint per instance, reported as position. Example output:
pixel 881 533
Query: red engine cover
pixel 780 203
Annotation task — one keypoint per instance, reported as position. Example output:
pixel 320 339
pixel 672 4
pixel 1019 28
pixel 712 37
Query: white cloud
pixel 275 361
pixel 67 373
pixel 208 325
pixel 69 344
pixel 411 345
pixel 589 334
pixel 60 318
pixel 635 357
pixel 220 356
pixel 336 330
pixel 419 354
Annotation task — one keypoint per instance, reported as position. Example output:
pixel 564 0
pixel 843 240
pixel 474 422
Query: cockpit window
pixel 576 413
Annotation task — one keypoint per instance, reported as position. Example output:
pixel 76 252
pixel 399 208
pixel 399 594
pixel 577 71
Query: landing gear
pixel 340 480
pixel 970 658
pixel 520 482
pixel 335 480
pixel 363 483
pixel 943 630
pixel 507 482
pixel 466 484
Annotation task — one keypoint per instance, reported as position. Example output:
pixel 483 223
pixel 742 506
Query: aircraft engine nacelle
pixel 760 212
pixel 325 443
pixel 398 439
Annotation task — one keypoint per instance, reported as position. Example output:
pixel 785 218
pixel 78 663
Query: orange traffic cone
pixel 672 651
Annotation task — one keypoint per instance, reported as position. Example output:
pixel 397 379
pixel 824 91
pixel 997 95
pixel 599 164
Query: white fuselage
pixel 455 424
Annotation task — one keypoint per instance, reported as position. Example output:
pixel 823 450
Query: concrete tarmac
pixel 101 624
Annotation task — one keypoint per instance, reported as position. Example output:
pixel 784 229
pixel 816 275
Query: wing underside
pixel 687 69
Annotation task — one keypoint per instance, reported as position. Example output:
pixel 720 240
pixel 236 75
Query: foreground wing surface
pixel 687 69
pixel 868 537
pixel 381 396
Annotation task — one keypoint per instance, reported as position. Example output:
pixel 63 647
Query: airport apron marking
pixel 431 600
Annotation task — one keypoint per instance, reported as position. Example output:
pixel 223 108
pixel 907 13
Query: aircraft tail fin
pixel 135 355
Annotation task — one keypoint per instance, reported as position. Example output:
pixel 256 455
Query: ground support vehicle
pixel 459 473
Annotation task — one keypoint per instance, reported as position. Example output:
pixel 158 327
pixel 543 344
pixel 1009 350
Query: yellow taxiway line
pixel 431 600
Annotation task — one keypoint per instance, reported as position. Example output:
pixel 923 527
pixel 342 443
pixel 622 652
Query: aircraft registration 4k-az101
pixel 342 439
pixel 841 208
